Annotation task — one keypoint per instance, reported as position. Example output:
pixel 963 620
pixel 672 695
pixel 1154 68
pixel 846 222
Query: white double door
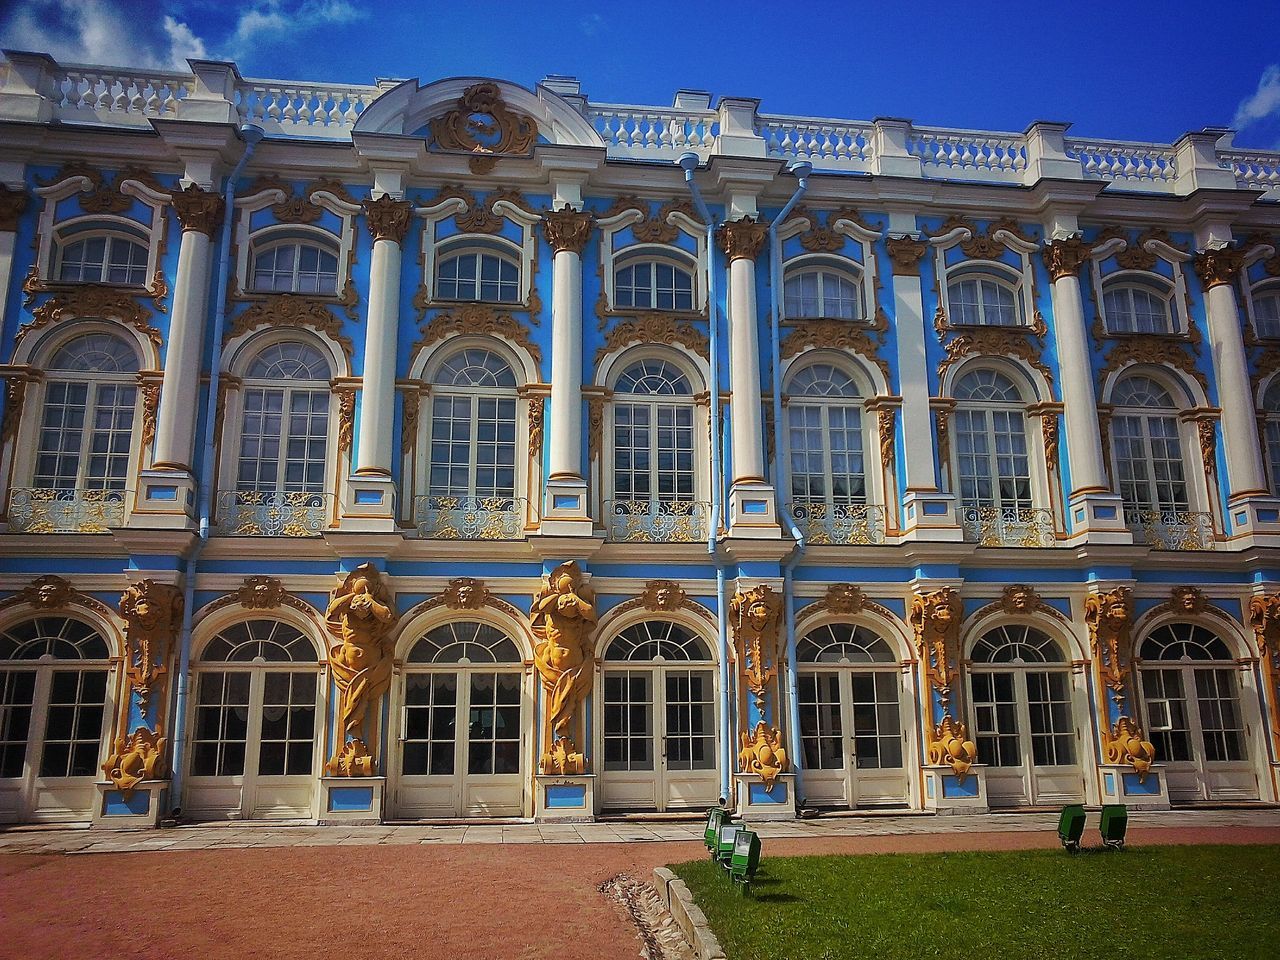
pixel 1194 719
pixel 659 738
pixel 462 744
pixel 853 737
pixel 1024 725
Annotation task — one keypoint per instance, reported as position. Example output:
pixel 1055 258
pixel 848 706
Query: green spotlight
pixel 1115 821
pixel 1071 826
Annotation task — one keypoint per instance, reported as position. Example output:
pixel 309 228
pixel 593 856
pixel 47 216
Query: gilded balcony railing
pixel 470 518
pixel 251 513
pixel 1171 529
pixel 656 521
pixel 47 510
pixel 1008 526
pixel 839 523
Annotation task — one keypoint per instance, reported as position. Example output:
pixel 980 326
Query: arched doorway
pixel 850 685
pixel 658 733
pixel 1196 715
pixel 54 715
pixel 254 747
pixel 463 741
pixel 1022 699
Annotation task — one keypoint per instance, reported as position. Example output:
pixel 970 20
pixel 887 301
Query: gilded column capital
pixel 387 218
pixel 1218 266
pixel 567 229
pixel 1062 258
pixel 742 239
pixel 905 254
pixel 198 210
pixel 12 203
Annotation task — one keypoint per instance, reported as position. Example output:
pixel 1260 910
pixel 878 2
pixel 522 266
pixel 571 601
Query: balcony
pixel 1008 526
pixel 1171 529
pixel 470 518
pixel 251 513
pixel 656 521
pixel 49 510
pixel 827 524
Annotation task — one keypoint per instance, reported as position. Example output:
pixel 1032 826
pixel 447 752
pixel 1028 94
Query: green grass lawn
pixel 1142 904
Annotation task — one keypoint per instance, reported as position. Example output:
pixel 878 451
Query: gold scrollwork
pixel 108 302
pixel 563 619
pixel 478 320
pixel 763 753
pixel 12 204
pixel 755 615
pixel 153 615
pixel 833 335
pixel 290 310
pixel 137 757
pixel 741 239
pixel 654 328
pixel 198 210
pixel 993 342
pixel 481 122
pixel 1264 617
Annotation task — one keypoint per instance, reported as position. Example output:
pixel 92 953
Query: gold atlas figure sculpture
pixel 563 617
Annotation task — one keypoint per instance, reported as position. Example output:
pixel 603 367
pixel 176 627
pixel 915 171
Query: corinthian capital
pixel 567 229
pixel 1221 265
pixel 742 239
pixel 905 253
pixel 12 203
pixel 1062 258
pixel 198 210
pixel 388 218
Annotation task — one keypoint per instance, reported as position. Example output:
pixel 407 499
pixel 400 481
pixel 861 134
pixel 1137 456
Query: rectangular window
pixel 996 714
pixel 1220 724
pixel 286 746
pixel 222 724
pixel 691 727
pixel 628 720
pixel 1149 463
pixel 85 436
pixel 821 733
pixel 1167 723
pixel 17 693
pixel 1052 730
pixel 877 728
pixel 430 724
pixel 493 724
pixel 73 729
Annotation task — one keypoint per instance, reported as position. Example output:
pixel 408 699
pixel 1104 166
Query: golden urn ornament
pixel 763 754
pixel 563 618
pixel 951 746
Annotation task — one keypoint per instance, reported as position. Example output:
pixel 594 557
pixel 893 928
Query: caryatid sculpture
pixel 360 618
pixel 563 618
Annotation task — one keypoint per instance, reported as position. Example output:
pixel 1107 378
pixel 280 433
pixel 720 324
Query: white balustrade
pixel 969 154
pixel 1255 171
pixel 1140 166
pixel 652 133
pixel 100 90
pixel 827 144
pixel 309 109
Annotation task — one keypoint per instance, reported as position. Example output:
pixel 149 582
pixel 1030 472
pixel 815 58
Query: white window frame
pixel 277 242
pixel 112 235
pixel 1269 290
pixel 869 438
pixel 647 257
pixel 1150 283
pixel 1193 495
pixel 489 248
pixel 960 276
pixel 1020 279
pixel 655 401
pixel 1036 498
pixel 848 271
pixel 288 389
pixel 1269 413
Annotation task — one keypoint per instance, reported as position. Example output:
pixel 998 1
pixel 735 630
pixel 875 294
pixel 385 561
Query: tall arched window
pixel 992 464
pixel 1266 312
pixel 1148 447
pixel 825 292
pixel 284 437
pixel 653 443
pixel 296 266
pixel 983 300
pixel 1132 306
pixel 478 275
pixel 90 400
pixel 1271 429
pixel 473 427
pixel 653 284
pixel 103 257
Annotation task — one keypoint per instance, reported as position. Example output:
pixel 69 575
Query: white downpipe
pixel 689 163
pixel 801 169
pixel 251 134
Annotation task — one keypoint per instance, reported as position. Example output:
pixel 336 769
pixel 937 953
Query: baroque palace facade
pixel 463 450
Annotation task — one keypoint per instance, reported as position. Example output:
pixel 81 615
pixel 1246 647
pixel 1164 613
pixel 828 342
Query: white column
pixel 13 200
pixel 905 254
pixel 1219 270
pixel 200 212
pixel 377 394
pixel 742 240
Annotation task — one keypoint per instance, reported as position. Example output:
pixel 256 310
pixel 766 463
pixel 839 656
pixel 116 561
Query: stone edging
pixel 675 894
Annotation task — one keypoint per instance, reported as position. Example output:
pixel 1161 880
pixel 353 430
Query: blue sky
pixel 1125 71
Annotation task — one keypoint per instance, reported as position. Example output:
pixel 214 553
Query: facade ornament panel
pixel 742 239
pixel 997 343
pixel 834 335
pixel 359 618
pixel 152 614
pixel 199 211
pixel 983 245
pixel 935 619
pixel 663 595
pixel 844 599
pixel 260 592
pixel 149 389
pixel 886 418
pixel 483 123
pixel 1264 617
pixel 1064 257
pixel 1218 266
pixel 465 593
pixel 563 619
pixel 290 310
pixel 763 753
pixel 12 205
pixel 568 229
pixel 905 254
pixel 478 320
pixel 756 615
pixel 135 758
pixel 1021 598
pixel 346 394
pixel 658 228
pixel 1109 618
pixel 595 426
pixel 819 237
pixel 388 218
pixel 49 592
pixel 657 328
pixel 1188 600
pixel 1151 349
pixel 482 217
pixel 107 302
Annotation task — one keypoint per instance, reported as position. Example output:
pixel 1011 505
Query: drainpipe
pixel 689 163
pixel 801 169
pixel 250 134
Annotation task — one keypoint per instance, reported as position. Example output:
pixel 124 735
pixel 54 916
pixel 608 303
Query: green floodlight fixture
pixel 1115 821
pixel 725 841
pixel 711 832
pixel 1071 826
pixel 746 858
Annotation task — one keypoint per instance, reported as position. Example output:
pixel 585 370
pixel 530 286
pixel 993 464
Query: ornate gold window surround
pixel 1133 261
pixel 826 241
pixel 1258 247
pixel 655 234
pixel 987 247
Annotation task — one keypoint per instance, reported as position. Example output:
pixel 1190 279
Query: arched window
pixel 478 275
pixel 992 465
pixel 1271 429
pixel 90 399
pixel 825 437
pixel 473 427
pixel 824 292
pixel 982 300
pixel 466 642
pixel 113 258
pixel 653 285
pixel 1266 312
pixel 284 437
pixel 658 640
pixel 1148 448
pixel 295 266
pixel 1135 307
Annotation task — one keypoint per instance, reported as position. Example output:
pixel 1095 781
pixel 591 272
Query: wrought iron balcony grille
pixel 839 523
pixel 470 518
pixel 1171 529
pixel 656 521
pixel 252 513
pixel 50 510
pixel 1008 526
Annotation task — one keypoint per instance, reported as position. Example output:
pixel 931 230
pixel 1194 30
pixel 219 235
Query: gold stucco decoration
pixel 755 615
pixel 260 593
pixel 137 757
pixel 844 599
pixel 563 619
pixel 993 342
pixel 1188 600
pixel 198 210
pixel 935 618
pixel 465 593
pixel 663 595
pixel 1160 351
pixel 742 239
pixel 1063 258
pixel 1109 617
pixel 153 616
pixel 654 328
pixel 49 592
pixel 1218 266
pixel 482 122
pixel 360 617
pixel 107 302
pixel 950 746
pixel 12 204
pixel 290 310
pixel 1264 617
pixel 1124 744
pixel 763 753
pixel 905 254
pixel 833 335
pixel 388 218
pixel 478 320
pixel 567 229
pixel 1020 598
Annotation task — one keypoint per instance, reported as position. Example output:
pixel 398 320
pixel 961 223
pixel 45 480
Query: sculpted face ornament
pixel 1188 600
pixel 1020 598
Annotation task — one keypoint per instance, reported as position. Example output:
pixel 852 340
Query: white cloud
pixel 183 41
pixel 273 18
pixel 1263 102
pixel 97 31
pixel 591 24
